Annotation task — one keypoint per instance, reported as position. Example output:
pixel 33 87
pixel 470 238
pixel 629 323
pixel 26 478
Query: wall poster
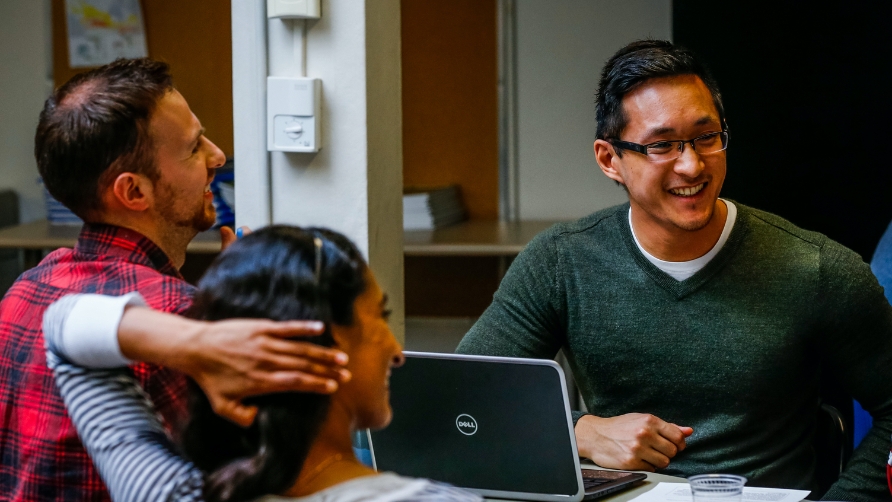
pixel 100 31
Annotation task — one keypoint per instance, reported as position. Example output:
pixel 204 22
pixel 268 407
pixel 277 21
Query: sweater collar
pixel 681 289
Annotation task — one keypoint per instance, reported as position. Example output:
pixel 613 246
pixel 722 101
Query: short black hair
pixel 633 65
pixel 271 273
pixel 95 126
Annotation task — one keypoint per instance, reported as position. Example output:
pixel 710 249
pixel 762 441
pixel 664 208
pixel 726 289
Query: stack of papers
pixel 431 208
pixel 681 492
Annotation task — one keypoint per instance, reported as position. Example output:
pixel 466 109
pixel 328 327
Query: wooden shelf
pixel 470 238
pixel 42 235
pixel 473 238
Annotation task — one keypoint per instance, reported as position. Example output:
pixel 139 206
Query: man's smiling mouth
pixel 688 191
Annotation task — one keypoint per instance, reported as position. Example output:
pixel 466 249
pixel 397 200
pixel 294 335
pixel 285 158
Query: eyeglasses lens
pixel 710 143
pixel 671 150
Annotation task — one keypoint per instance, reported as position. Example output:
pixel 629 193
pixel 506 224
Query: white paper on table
pixel 681 492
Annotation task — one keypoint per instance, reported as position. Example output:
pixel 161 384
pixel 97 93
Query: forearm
pixel 97 331
pixel 229 359
pixel 864 477
pixel 159 338
pixel 635 441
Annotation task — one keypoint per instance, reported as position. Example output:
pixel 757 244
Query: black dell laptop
pixel 497 426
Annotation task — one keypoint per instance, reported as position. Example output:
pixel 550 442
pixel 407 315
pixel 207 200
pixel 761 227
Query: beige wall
pixel 561 48
pixel 26 67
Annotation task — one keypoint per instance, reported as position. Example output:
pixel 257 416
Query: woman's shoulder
pixel 387 487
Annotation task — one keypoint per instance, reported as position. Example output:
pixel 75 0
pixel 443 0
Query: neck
pixel 173 241
pixel 331 460
pixel 670 243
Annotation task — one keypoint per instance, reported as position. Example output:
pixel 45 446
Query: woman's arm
pixel 229 359
pixel 119 428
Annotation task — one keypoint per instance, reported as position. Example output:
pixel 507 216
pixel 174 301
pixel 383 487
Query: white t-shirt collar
pixel 681 270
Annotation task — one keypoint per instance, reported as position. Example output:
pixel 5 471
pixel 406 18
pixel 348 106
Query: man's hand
pixel 235 358
pixel 635 442
pixel 228 236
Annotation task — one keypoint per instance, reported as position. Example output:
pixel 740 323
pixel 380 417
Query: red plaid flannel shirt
pixel 41 457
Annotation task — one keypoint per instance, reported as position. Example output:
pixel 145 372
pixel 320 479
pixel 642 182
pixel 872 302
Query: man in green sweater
pixel 696 327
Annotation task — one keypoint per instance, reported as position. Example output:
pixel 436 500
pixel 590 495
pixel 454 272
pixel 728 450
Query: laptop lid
pixel 498 426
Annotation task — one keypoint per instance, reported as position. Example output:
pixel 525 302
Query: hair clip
pixel 318 254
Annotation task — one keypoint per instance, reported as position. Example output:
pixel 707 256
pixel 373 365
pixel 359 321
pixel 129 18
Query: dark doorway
pixel 807 91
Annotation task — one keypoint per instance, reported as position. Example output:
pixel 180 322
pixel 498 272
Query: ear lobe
pixel 341 336
pixel 608 160
pixel 133 191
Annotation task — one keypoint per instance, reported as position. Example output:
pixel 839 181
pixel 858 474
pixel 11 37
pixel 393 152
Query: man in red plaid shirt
pixel 120 147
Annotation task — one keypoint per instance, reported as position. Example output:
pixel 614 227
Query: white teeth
pixel 687 192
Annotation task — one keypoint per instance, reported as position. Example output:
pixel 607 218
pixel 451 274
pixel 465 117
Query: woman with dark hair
pixel 299 444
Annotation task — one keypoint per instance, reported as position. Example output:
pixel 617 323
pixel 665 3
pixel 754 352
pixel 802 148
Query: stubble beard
pixel 697 225
pixel 196 218
pixel 693 226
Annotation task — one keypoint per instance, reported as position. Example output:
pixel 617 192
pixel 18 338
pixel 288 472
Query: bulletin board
pixel 195 38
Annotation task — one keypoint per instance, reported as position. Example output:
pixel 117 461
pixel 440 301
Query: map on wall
pixel 100 31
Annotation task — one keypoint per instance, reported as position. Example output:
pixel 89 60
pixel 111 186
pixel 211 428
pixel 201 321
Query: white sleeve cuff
pixel 90 332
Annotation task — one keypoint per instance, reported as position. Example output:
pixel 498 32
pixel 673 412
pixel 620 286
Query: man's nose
pixel 217 158
pixel 398 360
pixel 689 164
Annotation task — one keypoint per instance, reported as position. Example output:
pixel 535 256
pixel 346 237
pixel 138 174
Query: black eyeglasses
pixel 663 151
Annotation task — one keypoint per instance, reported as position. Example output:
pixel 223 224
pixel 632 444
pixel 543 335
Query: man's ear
pixel 133 191
pixel 608 160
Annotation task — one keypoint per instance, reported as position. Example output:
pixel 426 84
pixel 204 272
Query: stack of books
pixel 427 209
pixel 56 213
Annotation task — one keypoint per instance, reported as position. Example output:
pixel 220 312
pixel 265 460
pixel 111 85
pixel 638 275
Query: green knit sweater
pixel 734 351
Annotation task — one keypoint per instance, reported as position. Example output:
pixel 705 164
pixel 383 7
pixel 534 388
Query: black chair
pixel 833 439
pixel 10 263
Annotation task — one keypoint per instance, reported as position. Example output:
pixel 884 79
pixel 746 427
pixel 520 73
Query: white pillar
pixel 354 184
pixel 252 193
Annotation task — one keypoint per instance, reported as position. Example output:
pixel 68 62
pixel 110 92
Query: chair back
pixel 832 444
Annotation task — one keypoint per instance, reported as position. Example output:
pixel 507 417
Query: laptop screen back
pixel 486 424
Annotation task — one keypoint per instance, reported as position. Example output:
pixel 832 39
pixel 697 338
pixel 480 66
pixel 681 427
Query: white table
pixel 643 486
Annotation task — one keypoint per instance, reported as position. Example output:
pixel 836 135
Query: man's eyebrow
pixel 659 131
pixel 706 120
pixel 197 136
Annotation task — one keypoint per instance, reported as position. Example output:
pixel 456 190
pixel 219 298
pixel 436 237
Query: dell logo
pixel 466 424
